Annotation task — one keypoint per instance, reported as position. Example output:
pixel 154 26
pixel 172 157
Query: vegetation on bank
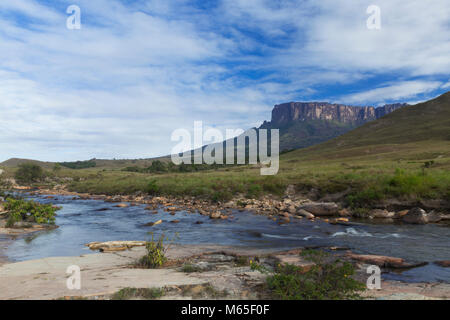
pixel 358 182
pixel 29 173
pixel 20 210
pixel 327 279
pixel 155 256
pixel 78 164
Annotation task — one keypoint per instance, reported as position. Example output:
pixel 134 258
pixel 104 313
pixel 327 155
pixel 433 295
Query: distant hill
pixel 97 163
pixel 412 129
pixel 14 162
pixel 303 124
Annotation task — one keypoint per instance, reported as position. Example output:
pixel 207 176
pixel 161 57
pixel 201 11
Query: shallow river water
pixel 84 221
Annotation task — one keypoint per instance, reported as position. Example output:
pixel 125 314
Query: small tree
pixel 29 173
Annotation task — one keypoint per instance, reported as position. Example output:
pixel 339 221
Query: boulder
pixel 381 214
pixel 284 214
pixel 344 213
pixel 321 208
pixel 416 216
pixel 401 214
pixel 121 205
pixel 305 214
pixel 291 209
pixel 434 217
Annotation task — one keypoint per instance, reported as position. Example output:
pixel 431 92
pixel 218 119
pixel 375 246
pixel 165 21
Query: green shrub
pixel 30 211
pixel 222 195
pixel 363 198
pixel 79 164
pixel 156 254
pixel 324 281
pixel 29 173
pixel 152 187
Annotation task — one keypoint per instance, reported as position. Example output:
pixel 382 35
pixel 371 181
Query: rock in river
pixel 416 216
pixel 305 214
pixel 384 261
pixel 321 208
pixel 381 214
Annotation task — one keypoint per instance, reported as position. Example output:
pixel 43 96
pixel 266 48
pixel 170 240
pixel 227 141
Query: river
pixel 84 221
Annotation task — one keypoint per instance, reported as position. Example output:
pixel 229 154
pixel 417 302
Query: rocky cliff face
pixel 301 111
pixel 303 124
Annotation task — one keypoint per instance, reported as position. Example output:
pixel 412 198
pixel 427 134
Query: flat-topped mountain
pixel 302 111
pixel 303 124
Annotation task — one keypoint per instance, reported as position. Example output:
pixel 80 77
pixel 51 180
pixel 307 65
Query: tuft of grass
pixel 136 293
pixel 203 291
pixel 242 261
pixel 189 268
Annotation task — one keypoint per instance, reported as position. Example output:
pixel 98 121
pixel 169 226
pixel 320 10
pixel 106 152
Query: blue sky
pixel 138 70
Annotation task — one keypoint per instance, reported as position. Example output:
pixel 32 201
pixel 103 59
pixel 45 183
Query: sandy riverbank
pixel 103 274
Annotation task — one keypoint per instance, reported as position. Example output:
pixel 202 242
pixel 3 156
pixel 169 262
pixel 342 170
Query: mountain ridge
pixel 303 124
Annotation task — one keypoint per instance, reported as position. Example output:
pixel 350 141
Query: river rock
pixel 305 214
pixel 291 209
pixel 434 217
pixel 401 214
pixel 344 213
pixel 121 205
pixel 321 208
pixel 115 245
pixel 381 214
pixel 215 215
pixel 151 224
pixel 416 216
pixel 443 263
pixel 383 261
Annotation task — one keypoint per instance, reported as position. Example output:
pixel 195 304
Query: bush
pixel 29 211
pixel 324 281
pixel 79 164
pixel 152 188
pixel 29 173
pixel 330 280
pixel 221 195
pixel 156 254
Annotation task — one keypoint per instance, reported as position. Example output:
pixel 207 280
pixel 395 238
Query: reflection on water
pixel 84 221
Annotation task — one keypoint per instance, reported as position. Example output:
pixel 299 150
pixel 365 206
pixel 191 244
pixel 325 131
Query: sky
pixel 138 70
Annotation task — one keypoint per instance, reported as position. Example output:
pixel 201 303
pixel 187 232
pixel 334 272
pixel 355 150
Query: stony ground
pixel 215 272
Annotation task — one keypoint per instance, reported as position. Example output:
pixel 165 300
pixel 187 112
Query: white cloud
pixel 401 90
pixel 132 74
